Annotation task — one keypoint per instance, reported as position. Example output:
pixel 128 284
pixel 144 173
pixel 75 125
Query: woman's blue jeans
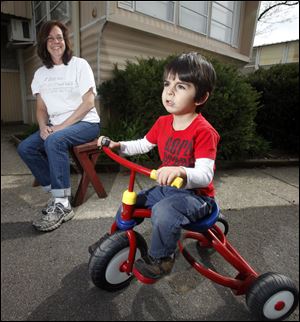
pixel 171 209
pixel 49 160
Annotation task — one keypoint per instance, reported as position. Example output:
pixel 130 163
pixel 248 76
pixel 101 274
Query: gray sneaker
pixel 55 216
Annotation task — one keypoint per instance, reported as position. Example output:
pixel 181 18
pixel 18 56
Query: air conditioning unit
pixel 19 30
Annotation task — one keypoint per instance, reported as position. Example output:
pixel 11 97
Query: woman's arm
pixel 88 102
pixel 42 117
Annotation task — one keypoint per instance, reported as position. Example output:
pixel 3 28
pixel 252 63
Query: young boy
pixel 187 146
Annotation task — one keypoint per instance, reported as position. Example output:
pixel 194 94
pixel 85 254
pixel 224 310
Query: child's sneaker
pixel 54 217
pixel 149 270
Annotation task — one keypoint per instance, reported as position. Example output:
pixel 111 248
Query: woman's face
pixel 56 45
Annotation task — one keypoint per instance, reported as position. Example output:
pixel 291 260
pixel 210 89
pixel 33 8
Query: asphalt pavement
pixel 44 276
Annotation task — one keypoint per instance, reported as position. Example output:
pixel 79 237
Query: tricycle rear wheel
pixel 272 297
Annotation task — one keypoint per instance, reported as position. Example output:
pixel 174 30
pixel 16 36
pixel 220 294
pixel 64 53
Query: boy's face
pixel 178 96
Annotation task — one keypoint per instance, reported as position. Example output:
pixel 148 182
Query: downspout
pixel 23 87
pixel 76 27
pixel 102 24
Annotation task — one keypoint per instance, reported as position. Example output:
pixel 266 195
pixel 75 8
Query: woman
pixel 65 90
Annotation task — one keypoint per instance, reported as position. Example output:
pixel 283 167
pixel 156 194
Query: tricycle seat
pixel 206 222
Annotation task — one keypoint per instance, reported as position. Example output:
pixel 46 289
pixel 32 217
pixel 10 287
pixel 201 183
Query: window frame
pixel 234 38
pixel 150 15
pixel 236 17
pixel 200 14
pixel 47 15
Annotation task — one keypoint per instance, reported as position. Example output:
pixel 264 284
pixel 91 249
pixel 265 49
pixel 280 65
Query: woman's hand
pixel 166 175
pixel 55 128
pixel 45 131
pixel 112 144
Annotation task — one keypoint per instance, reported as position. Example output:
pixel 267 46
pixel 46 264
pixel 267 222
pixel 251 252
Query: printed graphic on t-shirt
pixel 178 152
pixel 54 85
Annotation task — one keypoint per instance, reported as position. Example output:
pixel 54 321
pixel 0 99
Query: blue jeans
pixel 171 209
pixel 49 160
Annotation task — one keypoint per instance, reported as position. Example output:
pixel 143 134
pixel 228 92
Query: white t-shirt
pixel 62 88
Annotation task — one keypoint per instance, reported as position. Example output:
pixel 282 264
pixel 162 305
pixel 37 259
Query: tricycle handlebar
pixel 177 182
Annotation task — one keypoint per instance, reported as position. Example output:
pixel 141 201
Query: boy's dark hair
pixel 42 43
pixel 193 68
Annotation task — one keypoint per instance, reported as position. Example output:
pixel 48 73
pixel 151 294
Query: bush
pixel 277 121
pixel 133 99
pixel 135 93
pixel 232 109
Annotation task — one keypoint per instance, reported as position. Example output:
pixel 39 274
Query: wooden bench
pixel 85 157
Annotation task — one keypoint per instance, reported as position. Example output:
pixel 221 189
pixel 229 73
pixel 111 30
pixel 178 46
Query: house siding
pixel 17 8
pixel 279 53
pixel 111 35
pixel 10 96
pixel 293 52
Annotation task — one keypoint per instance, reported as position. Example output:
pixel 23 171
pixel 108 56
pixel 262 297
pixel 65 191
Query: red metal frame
pixel 213 238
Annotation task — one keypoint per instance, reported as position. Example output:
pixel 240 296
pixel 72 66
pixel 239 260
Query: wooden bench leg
pixel 35 183
pixel 87 162
pixel 81 191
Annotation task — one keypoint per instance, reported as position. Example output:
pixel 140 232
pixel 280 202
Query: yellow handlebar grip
pixel 153 174
pixel 177 182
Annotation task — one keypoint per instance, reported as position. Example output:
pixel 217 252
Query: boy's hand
pixel 166 175
pixel 112 144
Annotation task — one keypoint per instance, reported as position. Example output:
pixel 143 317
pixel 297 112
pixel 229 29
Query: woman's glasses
pixel 58 38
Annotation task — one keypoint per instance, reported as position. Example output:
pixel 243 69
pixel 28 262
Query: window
pixel 163 10
pixel 215 19
pixel 253 57
pixel 225 21
pixel 50 10
pixel 194 15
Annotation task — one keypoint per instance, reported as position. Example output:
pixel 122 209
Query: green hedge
pixel 278 120
pixel 232 109
pixel 133 100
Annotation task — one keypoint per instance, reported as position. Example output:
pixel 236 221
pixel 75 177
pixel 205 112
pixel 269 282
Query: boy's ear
pixel 203 99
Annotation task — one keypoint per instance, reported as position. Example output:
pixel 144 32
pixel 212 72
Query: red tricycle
pixel 269 296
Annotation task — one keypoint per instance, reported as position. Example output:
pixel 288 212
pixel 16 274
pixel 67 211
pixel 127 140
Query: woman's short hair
pixel 193 68
pixel 42 43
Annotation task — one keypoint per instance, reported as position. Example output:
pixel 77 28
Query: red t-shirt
pixel 182 148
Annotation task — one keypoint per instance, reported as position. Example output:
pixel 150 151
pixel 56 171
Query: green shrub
pixel 277 120
pixel 133 98
pixel 232 109
pixel 135 92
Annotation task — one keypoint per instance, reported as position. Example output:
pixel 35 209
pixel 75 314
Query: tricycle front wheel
pixel 272 297
pixel 107 258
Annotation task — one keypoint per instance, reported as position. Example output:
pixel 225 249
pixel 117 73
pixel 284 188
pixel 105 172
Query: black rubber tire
pixel 269 289
pixel 224 223
pixel 224 227
pixel 113 250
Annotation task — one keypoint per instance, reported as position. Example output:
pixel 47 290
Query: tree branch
pixel 285 3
